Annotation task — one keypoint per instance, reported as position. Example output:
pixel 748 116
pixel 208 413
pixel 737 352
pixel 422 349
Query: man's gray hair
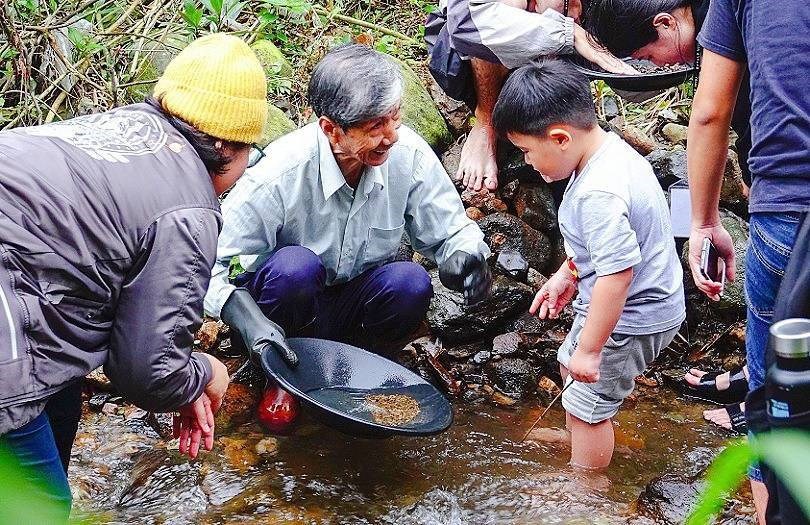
pixel 354 83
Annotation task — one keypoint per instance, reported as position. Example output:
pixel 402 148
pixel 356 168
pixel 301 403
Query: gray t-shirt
pixel 614 216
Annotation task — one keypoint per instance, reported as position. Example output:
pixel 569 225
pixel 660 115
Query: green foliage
pixel 192 15
pixel 786 452
pixel 235 268
pixel 25 497
pixel 295 7
pixel 85 44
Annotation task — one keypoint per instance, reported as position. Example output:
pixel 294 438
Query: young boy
pixel 622 264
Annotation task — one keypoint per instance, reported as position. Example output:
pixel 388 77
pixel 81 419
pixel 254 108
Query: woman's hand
pixel 601 57
pixel 194 425
pixel 218 385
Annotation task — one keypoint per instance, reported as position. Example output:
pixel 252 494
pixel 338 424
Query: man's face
pixel 548 155
pixel 369 142
pixel 574 7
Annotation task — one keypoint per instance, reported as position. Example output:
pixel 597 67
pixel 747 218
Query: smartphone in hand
pixel 712 266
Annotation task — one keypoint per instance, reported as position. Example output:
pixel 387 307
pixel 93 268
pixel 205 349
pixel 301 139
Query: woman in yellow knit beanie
pixel 108 232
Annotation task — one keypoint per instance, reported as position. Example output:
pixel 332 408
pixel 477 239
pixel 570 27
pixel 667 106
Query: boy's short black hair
pixel 541 94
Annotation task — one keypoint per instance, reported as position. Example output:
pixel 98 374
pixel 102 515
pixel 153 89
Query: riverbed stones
pixel 512 264
pixel 206 336
pixel 508 344
pixel 504 231
pixel 238 406
pixel 513 376
pixel 419 112
pixel 534 204
pixel 669 498
pixel 456 322
pixel 639 140
pixel 277 68
pixel 484 200
pixel 675 133
pixel 732 192
pixel 669 165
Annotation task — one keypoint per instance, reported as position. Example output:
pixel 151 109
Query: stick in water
pixel 546 411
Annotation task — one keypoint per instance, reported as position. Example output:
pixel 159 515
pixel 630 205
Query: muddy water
pixel 476 472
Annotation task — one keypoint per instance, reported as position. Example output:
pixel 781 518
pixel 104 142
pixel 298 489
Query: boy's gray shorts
pixel 623 358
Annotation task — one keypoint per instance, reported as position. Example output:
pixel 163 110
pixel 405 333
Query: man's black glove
pixel 467 273
pixel 243 315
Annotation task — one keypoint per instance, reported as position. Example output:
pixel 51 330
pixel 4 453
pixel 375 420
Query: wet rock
pixel 160 423
pixel 240 452
pixel 455 113
pixel 509 343
pixel 675 133
pixel 516 235
pixel 534 204
pixel 475 213
pixel 206 336
pixel 669 498
pixel 535 279
pixel 547 389
pixel 669 165
pixel 466 351
pixel 512 264
pixel 109 409
pixel 484 200
pixel 610 107
pixel 508 191
pixel 513 167
pixel 639 140
pixel 512 375
pixel 238 406
pixel 424 262
pixel 502 400
pixel 99 381
pixel 276 125
pixel 456 322
pixel 419 112
pixel 667 115
pixel 482 357
pixel 97 401
pixel 267 447
pixel 450 159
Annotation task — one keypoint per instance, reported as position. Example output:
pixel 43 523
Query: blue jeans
pixel 35 450
pixel 769 248
pixel 375 308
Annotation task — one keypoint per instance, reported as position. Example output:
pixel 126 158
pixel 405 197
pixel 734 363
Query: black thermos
pixel 787 385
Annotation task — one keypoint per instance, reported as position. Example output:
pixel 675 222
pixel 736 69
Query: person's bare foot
pixel 549 435
pixel 478 167
pixel 720 416
pixel 723 381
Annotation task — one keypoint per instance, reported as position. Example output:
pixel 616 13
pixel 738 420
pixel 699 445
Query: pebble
pixel 267 446
pixel 482 357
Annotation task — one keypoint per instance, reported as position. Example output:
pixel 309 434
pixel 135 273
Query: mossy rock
pixel 419 112
pixel 277 124
pixel 157 56
pixel 276 67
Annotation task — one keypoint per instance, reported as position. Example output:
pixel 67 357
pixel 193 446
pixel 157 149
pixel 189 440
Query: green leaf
pixel 787 453
pixel 297 7
pixel 724 476
pixel 191 14
pixel 235 268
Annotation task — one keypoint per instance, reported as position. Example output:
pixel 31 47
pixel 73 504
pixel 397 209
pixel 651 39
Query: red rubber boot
pixel 277 410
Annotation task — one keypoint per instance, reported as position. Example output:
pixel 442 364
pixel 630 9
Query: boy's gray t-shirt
pixel 614 216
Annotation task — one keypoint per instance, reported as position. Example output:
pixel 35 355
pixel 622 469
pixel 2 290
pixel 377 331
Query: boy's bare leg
pixel 478 166
pixel 760 493
pixel 591 444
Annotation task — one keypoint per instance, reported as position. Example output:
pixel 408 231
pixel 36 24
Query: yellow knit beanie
pixel 217 85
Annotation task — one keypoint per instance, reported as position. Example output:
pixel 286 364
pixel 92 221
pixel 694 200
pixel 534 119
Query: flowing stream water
pixel 475 473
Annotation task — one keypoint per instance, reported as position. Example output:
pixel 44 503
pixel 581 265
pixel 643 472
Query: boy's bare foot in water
pixel 478 167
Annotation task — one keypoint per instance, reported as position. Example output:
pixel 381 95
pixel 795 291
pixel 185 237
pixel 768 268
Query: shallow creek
pixel 477 472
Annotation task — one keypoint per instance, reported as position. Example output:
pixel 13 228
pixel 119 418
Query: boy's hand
pixel 584 366
pixel 553 296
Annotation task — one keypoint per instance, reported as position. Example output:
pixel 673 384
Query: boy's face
pixel 549 154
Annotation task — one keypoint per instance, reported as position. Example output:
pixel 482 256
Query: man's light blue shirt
pixel 297 195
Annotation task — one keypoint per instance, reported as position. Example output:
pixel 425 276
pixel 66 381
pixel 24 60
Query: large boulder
pixel 156 56
pixel 504 231
pixel 732 193
pixel 276 67
pixel 675 133
pixel 512 166
pixel 669 498
pixel 669 165
pixel 277 124
pixel 534 204
pixel 456 322
pixel 419 112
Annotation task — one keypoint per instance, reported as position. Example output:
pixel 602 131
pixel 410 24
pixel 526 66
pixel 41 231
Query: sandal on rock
pixel 707 389
pixel 737 418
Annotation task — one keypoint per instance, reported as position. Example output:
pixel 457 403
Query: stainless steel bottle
pixel 787 385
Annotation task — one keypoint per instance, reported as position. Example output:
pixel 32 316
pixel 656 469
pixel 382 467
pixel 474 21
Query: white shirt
pixel 297 195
